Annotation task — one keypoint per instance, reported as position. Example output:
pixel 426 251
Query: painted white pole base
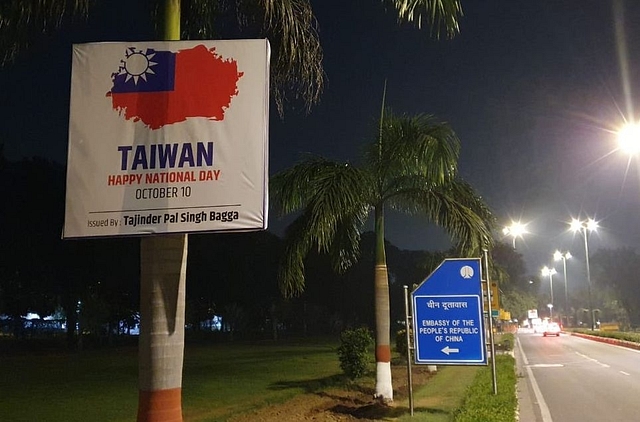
pixel 384 387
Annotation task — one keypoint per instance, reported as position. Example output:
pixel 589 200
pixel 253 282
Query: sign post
pixel 448 322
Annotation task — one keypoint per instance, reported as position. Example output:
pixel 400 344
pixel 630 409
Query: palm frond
pixel 331 194
pixel 413 145
pixel 322 182
pixel 297 244
pixel 291 27
pixel 334 199
pixel 456 208
pixel 297 69
pixel 305 233
pixel 345 249
pixel 21 22
pixel 442 16
pixel 201 19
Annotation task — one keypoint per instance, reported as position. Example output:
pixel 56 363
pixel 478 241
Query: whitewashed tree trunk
pixel 163 262
pixel 384 386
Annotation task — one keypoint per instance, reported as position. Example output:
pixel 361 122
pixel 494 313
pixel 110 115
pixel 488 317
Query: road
pixel 567 378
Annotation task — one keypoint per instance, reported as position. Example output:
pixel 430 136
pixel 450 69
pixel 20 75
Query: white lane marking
pixel 604 365
pixel 547 365
pixel 624 373
pixel 544 409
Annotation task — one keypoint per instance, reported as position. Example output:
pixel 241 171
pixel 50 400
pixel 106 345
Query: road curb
pixel 608 340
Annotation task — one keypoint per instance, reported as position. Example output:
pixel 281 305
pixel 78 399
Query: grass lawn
pixel 219 381
pixel 92 386
pixel 437 400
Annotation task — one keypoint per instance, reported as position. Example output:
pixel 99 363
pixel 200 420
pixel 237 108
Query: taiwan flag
pixel 163 87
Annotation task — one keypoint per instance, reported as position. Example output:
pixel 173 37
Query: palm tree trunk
pixel 162 315
pixel 384 386
pixel 163 262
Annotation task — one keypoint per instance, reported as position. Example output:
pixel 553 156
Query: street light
pixel 557 256
pixel 515 230
pixel 629 138
pixel 584 227
pixel 546 271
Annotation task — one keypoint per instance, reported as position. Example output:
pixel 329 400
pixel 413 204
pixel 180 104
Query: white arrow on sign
pixel 448 350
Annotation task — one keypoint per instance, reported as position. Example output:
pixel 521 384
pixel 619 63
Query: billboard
pixel 167 137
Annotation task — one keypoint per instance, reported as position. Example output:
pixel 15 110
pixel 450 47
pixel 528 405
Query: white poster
pixel 168 137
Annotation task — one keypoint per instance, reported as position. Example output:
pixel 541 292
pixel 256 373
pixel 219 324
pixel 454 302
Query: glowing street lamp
pixel 584 227
pixel 515 230
pixel 546 271
pixel 557 256
pixel 629 138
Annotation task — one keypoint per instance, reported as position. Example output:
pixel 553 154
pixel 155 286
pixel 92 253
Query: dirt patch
pixel 333 404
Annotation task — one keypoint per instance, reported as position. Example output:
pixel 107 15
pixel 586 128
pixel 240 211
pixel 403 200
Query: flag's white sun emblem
pixel 466 272
pixel 136 65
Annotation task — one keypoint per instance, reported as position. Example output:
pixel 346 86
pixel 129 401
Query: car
pixel 551 329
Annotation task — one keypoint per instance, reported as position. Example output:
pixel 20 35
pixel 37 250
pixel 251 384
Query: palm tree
pixel 411 167
pixel 296 73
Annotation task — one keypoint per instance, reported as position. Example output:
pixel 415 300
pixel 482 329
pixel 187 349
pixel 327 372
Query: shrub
pixel 353 351
pixel 401 343
pixel 505 341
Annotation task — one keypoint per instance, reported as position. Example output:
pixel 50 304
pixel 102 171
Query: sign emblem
pixel 466 272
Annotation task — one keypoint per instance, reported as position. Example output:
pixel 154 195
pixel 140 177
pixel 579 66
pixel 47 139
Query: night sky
pixel 534 89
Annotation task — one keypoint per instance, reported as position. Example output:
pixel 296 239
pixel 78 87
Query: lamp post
pixel 546 271
pixel 515 230
pixel 584 227
pixel 564 256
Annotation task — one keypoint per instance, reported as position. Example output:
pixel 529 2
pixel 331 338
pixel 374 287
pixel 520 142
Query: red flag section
pixel 200 84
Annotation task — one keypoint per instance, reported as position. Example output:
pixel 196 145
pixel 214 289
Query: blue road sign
pixel 448 324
